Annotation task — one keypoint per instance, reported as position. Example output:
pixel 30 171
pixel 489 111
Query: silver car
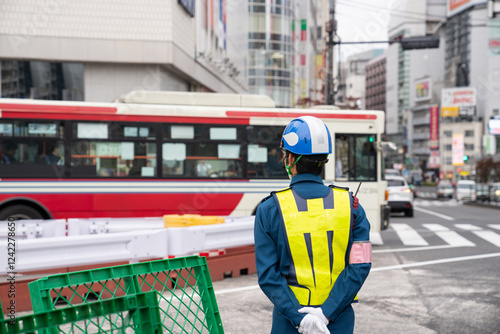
pixel 400 195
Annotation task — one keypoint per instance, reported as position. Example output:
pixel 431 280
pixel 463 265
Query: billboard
pixel 434 128
pixel 459 101
pixel 494 126
pixel 489 144
pixel 494 37
pixel 423 90
pixel 457 149
pixel 457 6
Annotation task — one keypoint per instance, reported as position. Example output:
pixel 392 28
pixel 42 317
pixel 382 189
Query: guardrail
pixel 37 228
pixel 107 240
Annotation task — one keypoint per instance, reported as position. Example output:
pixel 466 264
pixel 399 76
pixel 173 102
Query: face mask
pixel 287 168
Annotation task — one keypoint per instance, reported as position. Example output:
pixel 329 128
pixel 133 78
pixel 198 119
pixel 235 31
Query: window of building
pixel 447 147
pixel 469 133
pixel 447 134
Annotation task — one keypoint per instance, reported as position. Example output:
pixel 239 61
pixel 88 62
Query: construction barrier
pixel 36 228
pixel 183 288
pixel 137 313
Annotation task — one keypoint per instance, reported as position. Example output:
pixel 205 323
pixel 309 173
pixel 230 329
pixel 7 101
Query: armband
pixel 361 252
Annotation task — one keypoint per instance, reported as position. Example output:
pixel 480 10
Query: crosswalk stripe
pixel 468 227
pixel 495 226
pixel 489 236
pixel 450 237
pixel 408 235
pixel 435 214
pixel 376 238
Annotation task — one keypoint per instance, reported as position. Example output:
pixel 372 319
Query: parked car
pixel 495 192
pixel 482 192
pixel 393 172
pixel 466 190
pixel 400 195
pixel 444 190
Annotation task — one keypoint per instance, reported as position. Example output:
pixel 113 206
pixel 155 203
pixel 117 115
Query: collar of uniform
pixel 306 177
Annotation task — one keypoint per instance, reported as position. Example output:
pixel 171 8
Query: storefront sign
pixel 489 144
pixel 434 128
pixel 434 160
pixel 457 148
pixel 494 38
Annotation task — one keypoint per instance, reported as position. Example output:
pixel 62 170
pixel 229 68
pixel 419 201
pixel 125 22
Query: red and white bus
pixel 155 153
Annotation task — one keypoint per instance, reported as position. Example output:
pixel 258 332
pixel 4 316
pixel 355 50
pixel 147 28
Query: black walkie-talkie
pixel 358 188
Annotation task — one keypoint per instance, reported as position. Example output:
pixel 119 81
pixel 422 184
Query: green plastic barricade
pixel 183 288
pixel 130 314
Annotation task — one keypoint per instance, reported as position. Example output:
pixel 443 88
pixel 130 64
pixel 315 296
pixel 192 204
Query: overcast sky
pixel 362 20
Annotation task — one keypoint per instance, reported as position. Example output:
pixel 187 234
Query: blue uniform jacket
pixel 273 261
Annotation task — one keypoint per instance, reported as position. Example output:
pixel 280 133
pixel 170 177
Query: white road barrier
pixel 96 241
pixel 29 229
pixel 112 225
pixel 57 252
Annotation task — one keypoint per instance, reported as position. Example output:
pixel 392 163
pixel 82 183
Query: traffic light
pixel 420 42
pixel 459 170
pixel 465 157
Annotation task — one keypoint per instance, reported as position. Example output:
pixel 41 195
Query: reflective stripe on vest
pixel 318 235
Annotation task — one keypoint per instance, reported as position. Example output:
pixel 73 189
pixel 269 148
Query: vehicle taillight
pixel 386 194
pixel 406 190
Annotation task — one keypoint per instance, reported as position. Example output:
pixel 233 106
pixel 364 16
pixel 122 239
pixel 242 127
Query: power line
pixel 400 13
pixel 391 11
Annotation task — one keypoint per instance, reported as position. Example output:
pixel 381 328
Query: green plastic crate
pixel 184 290
pixel 117 315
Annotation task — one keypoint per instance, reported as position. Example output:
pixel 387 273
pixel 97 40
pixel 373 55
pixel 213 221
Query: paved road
pixel 435 273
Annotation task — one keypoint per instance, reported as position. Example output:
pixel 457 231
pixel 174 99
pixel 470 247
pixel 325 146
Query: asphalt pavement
pixel 448 284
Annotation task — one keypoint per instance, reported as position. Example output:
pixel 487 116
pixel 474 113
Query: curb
pixel 483 205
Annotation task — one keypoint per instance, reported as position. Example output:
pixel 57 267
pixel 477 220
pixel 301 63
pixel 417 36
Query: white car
pixel 445 190
pixel 466 190
pixel 400 195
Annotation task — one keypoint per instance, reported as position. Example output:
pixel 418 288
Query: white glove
pixel 317 311
pixel 311 324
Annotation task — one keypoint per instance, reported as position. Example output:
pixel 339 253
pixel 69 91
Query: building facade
pixel 414 80
pixel 283 48
pixel 375 71
pixel 97 51
pixel 352 80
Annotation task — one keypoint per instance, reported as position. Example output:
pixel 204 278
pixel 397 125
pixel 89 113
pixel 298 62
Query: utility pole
pixel 331 29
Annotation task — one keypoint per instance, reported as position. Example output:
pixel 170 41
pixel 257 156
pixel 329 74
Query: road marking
pixel 450 237
pixel 428 263
pixel 376 238
pixel 408 235
pixel 434 214
pixel 468 227
pixel 399 266
pixel 412 249
pixel 495 226
pixel 489 236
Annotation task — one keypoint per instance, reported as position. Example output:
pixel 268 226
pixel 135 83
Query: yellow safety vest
pixel 318 234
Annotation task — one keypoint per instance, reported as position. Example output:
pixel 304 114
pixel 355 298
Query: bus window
pixel 214 160
pixel 32 158
pixel 355 158
pixel 264 156
pixel 31 129
pixel 113 159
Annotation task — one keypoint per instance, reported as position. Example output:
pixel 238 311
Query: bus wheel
pixel 18 212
